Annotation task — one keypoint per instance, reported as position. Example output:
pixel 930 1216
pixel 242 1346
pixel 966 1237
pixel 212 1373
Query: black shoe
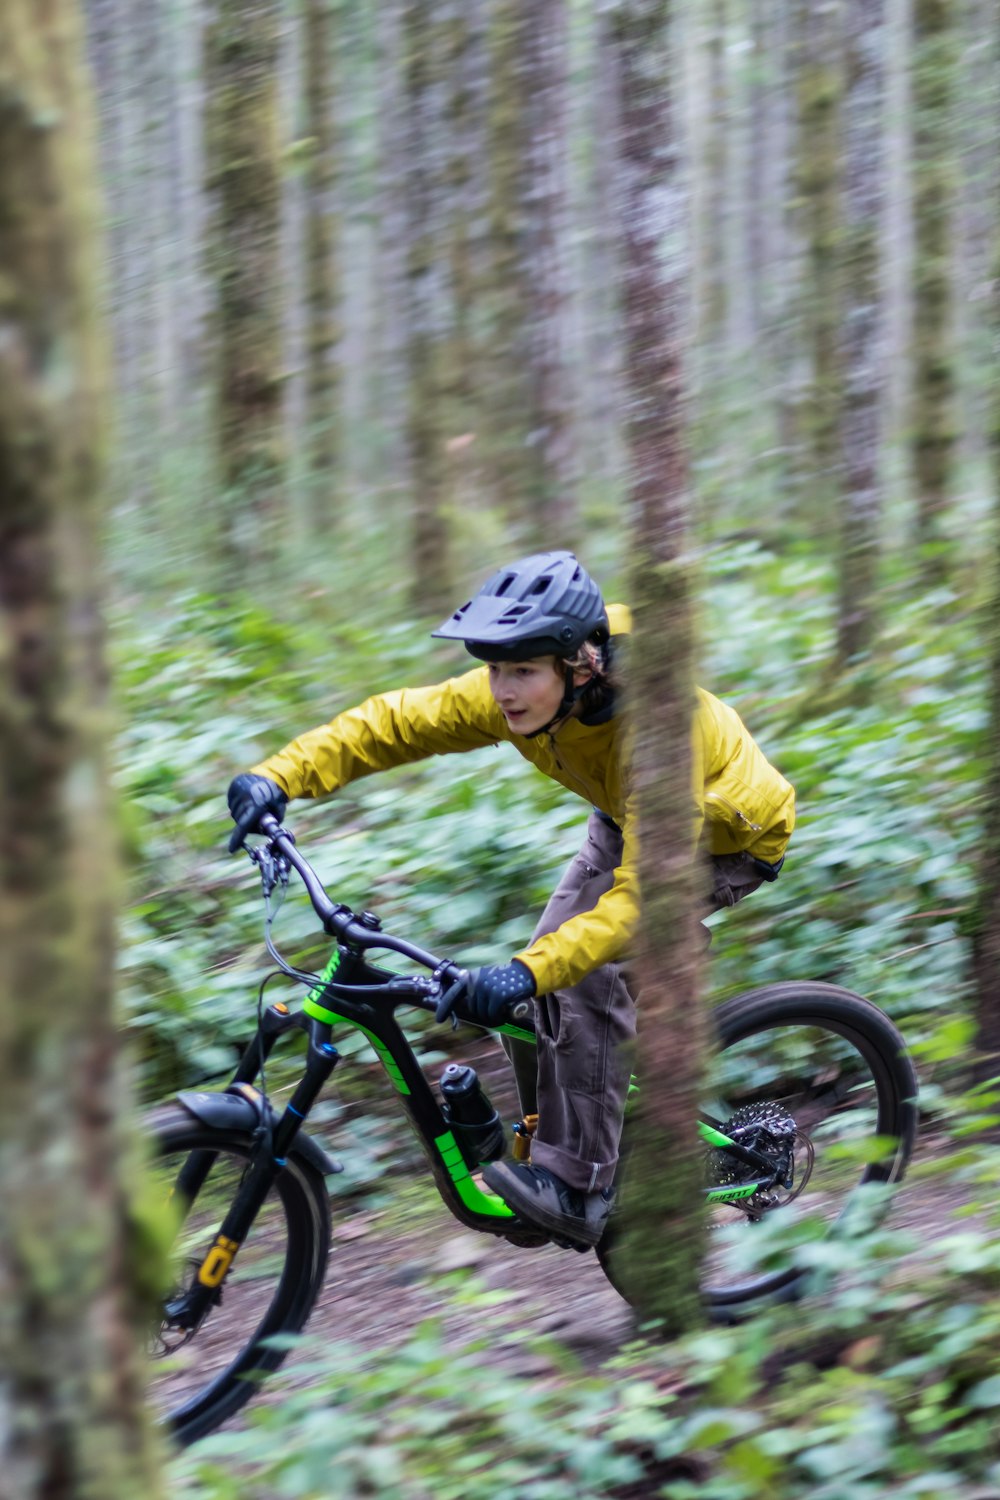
pixel 540 1197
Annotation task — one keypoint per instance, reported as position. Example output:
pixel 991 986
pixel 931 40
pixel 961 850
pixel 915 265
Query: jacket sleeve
pixel 741 801
pixel 391 729
pixel 599 936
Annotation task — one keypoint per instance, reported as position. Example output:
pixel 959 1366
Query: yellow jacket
pixel 742 802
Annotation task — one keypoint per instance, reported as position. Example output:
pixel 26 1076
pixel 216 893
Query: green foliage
pixel 889 1382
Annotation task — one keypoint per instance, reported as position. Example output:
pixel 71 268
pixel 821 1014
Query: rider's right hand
pixel 249 798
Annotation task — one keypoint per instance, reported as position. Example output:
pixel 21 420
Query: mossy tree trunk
pixel 664 1227
pixel 242 148
pixel 72 1425
pixel 933 406
pixel 322 74
pixel 986 934
pixel 861 328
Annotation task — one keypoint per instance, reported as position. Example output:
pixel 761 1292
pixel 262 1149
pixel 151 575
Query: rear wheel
pixel 816 1080
pixel 201 1376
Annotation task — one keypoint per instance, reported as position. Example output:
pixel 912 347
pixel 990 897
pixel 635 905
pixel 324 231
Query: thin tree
pixel 860 322
pixel 933 406
pixel 717 216
pixel 427 303
pixel 820 80
pixel 71 1392
pixel 546 281
pixel 664 1231
pixel 528 285
pixel 242 148
pixel 322 279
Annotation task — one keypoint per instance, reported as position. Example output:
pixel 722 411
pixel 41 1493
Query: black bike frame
pixel 351 991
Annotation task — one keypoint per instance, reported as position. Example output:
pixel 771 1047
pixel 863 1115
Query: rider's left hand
pixel 496 987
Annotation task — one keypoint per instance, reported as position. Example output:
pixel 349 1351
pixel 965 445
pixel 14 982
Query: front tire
pixel 200 1379
pixel 837 1066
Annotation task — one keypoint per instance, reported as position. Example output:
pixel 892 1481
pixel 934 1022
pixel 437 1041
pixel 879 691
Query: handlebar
pixel 448 979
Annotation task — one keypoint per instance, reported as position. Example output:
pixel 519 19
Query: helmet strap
pixel 572 693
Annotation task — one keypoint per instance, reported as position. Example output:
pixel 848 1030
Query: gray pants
pixel 576 1079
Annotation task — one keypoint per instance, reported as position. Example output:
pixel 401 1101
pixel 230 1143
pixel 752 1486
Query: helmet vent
pixel 512 615
pixel 504 585
pixel 540 585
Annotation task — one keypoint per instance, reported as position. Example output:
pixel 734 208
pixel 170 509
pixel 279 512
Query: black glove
pixel 495 988
pixel 249 798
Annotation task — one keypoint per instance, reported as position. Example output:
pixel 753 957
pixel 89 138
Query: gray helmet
pixel 542 605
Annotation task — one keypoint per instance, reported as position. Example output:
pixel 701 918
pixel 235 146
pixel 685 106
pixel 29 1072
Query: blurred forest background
pixel 363 270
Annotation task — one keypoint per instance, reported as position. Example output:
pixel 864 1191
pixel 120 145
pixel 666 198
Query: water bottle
pixel 474 1122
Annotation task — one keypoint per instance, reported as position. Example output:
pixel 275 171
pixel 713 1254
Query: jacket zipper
pixel 584 793
pixel 740 816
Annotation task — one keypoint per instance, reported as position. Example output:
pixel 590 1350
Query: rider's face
pixel 529 693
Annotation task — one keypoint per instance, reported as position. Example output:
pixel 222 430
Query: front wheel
pixel 200 1376
pixel 817 1080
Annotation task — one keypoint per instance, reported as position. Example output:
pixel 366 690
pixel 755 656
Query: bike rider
pixel 548 687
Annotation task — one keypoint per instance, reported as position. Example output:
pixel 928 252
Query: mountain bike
pixel 811 1096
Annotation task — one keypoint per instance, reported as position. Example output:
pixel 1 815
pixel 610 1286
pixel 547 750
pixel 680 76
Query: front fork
pixel 272 1141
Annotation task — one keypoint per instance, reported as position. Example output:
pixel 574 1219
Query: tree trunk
pixel 243 176
pixel 860 323
pixel 820 87
pixel 71 1391
pixel 664 1228
pixel 933 410
pixel 546 276
pixel 428 306
pixel 322 279
pixel 986 935
pixel 531 442
pixel 599 431
pixel 390 384
pixel 717 210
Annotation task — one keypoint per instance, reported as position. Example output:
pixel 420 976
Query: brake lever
pixel 444 1010
pixel 273 867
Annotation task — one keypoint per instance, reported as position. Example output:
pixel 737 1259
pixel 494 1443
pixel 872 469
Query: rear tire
pixel 271 1288
pixel 839 1066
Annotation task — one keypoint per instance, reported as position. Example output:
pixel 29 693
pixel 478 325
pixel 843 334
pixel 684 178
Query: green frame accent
pixel 712 1136
pixel 728 1194
pixel 312 1007
pixel 470 1193
pixel 385 1057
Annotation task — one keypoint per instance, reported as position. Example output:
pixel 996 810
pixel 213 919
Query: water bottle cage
pixel 480 1141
